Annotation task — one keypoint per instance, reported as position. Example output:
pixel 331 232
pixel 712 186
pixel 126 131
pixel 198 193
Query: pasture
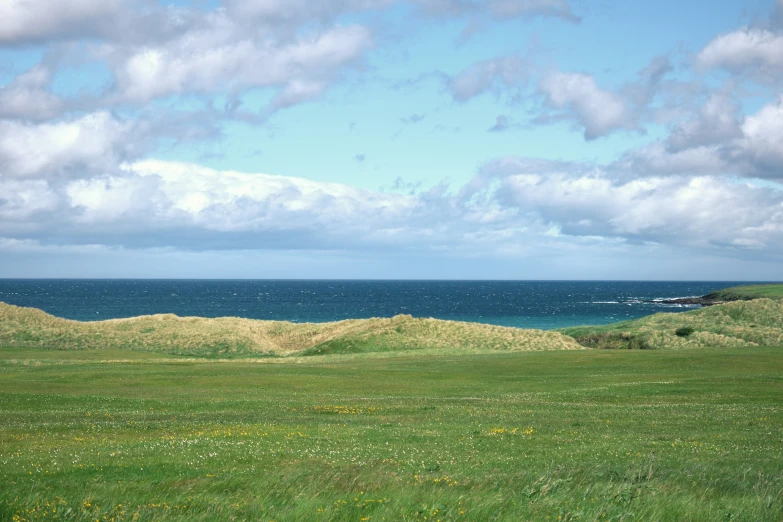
pixel 690 434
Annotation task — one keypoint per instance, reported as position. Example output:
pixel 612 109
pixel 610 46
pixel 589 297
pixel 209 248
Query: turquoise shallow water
pixel 525 304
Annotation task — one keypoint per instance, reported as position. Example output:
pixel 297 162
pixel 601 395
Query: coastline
pixel 728 295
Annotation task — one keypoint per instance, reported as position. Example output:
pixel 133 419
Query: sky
pixel 390 139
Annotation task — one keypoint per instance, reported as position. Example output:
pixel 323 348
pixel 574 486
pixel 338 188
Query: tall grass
pixel 736 324
pixel 235 337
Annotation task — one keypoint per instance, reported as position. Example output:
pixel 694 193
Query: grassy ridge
pixel 234 337
pixel 576 435
pixel 746 293
pixel 735 324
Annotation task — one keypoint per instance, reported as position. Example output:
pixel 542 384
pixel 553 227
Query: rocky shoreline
pixel 701 301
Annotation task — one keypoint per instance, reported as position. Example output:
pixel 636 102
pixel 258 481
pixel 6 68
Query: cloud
pixel 214 59
pixel 703 212
pixel 642 91
pixel 500 9
pixel 760 144
pixel 598 111
pixel 25 203
pixel 758 52
pixel 161 204
pixel 512 201
pixel 139 22
pixel 406 186
pixel 755 51
pixel 413 118
pixel 28 97
pixel 507 72
pixel 501 124
pixel 718 121
pixel 80 147
pixel 34 21
pixel 296 48
pixel 154 51
pixel 294 12
pixel 718 141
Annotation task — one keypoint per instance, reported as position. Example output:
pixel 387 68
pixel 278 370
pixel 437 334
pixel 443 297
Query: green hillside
pixel 233 337
pixel 735 324
pixel 746 293
pixel 738 323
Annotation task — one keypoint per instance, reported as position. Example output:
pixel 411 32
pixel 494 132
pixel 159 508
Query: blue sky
pixel 514 139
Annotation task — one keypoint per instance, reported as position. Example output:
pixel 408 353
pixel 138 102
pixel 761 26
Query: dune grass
pixel 738 323
pixel 234 337
pixel 734 324
pixel 570 435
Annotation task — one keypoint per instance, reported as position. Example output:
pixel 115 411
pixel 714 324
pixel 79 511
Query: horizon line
pixel 423 280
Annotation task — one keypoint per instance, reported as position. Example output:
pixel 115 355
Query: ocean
pixel 523 304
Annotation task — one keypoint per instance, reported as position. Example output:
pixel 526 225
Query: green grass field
pixel 392 419
pixel 694 434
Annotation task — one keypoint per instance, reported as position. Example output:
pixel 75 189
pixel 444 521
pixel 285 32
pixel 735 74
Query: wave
pixel 657 301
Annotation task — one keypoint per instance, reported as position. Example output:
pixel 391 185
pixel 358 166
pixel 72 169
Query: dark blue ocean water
pixel 526 304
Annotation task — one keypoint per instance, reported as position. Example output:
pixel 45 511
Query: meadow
pixel 498 429
pixel 694 434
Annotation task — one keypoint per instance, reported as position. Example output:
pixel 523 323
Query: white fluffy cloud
pixel 216 60
pixel 598 111
pixel 157 203
pixel 153 51
pixel 718 121
pixel 95 143
pixel 22 202
pixel 28 96
pixel 762 141
pixel 165 204
pixel 701 211
pixel 757 51
pixel 234 201
pixel 295 47
pixel 23 21
pixel 718 141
